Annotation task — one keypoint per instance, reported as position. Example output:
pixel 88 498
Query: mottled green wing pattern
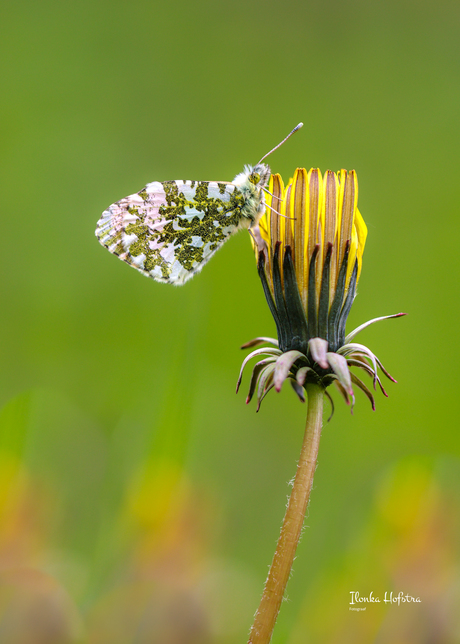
pixel 169 230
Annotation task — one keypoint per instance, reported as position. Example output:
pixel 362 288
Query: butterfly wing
pixel 170 229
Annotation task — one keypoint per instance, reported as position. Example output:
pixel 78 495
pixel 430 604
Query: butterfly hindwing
pixel 170 229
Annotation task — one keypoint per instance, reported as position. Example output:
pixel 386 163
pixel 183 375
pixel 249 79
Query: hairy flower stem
pixel 265 618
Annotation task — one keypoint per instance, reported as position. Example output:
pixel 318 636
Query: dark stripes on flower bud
pixel 296 326
pixel 309 249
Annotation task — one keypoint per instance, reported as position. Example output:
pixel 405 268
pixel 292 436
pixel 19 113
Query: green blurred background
pixel 140 499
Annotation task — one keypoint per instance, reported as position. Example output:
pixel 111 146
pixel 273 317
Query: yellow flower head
pixel 309 246
pixel 314 225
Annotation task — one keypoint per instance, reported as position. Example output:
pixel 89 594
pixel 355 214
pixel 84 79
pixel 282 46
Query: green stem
pixel 265 618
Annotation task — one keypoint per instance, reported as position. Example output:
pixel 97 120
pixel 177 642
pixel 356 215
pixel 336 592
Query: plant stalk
pixel 265 618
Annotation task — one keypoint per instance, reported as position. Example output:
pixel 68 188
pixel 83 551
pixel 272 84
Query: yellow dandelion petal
pixel 361 231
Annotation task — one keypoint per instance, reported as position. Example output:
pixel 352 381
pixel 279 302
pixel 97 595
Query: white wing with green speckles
pixel 169 230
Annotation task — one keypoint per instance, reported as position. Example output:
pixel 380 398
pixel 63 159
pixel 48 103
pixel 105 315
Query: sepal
pixel 284 365
pixel 318 365
pixel 258 341
pixel 358 329
pixel 340 367
pixel 318 348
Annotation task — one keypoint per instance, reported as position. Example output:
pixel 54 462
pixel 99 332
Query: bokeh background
pixel 140 499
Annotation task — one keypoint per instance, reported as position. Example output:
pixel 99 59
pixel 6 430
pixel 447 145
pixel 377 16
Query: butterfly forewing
pixel 170 229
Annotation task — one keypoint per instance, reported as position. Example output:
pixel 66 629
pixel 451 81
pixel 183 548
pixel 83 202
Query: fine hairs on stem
pixel 265 618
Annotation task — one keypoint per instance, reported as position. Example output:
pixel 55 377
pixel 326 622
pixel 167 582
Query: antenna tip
pixel 297 127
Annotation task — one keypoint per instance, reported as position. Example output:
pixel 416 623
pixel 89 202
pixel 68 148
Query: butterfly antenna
pixel 297 127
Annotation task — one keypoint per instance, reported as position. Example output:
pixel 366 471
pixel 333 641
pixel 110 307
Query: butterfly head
pixel 259 175
pixel 253 177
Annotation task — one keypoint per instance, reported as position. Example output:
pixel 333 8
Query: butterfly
pixel 171 229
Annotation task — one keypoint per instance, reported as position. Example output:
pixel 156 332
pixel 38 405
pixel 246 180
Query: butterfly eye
pixel 254 178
